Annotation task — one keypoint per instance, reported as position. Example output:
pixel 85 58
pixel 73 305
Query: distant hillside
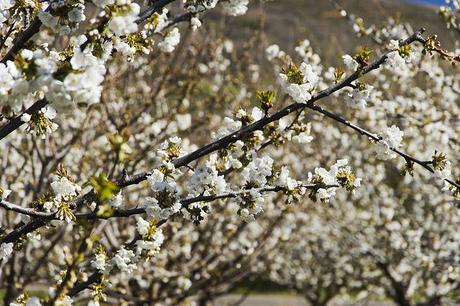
pixel 288 21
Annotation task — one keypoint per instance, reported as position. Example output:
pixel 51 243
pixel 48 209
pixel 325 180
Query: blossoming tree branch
pixel 146 160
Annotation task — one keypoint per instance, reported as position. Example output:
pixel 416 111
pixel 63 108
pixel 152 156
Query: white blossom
pixel 395 61
pixel 152 245
pixel 235 7
pixel 123 260
pixel 99 262
pixel 142 226
pixel 6 249
pixel 117 200
pixel 63 18
pixel 125 23
pixel 350 63
pixel 25 117
pixel 285 181
pixel 302 138
pixel 195 23
pixel 169 43
pixel 184 283
pixel 272 52
pixel 206 180
pixel 63 188
pixel 301 93
pixel 391 138
pixel 358 97
pixel 257 171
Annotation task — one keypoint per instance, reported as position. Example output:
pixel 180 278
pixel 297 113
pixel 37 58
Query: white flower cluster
pixel 301 91
pixel 305 51
pixel 62 16
pixel 257 171
pixel 123 20
pixel 160 184
pixel 195 23
pixel 330 179
pixel 284 180
pixel 350 63
pixel 100 262
pixel 5 5
pixel 253 178
pixel 207 181
pixel 125 49
pixel 302 138
pixel 152 245
pixel 301 134
pixel 235 7
pixel 292 188
pixel 444 173
pixel 394 59
pixel 228 126
pixel 359 96
pixel 64 189
pixel 81 86
pixel 161 21
pixel 165 202
pixel 251 205
pixel 255 115
pixel 171 40
pixel 273 52
pixel 237 152
pixel 154 242
pixel 123 260
pixel 13 84
pixel 117 200
pixel 45 125
pixel 64 87
pixel 390 138
pixel 142 226
pixel 6 249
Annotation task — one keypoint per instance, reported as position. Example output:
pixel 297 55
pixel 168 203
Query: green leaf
pixel 104 188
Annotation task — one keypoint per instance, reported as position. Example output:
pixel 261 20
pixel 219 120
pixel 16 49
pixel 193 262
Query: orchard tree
pixel 315 257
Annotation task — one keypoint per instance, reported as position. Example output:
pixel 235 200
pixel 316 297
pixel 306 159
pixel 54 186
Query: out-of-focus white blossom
pixel 350 63
pixel 169 43
pixel 63 188
pixel 391 138
pixel 358 97
pixel 123 260
pixel 6 249
pixel 125 23
pixel 235 7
